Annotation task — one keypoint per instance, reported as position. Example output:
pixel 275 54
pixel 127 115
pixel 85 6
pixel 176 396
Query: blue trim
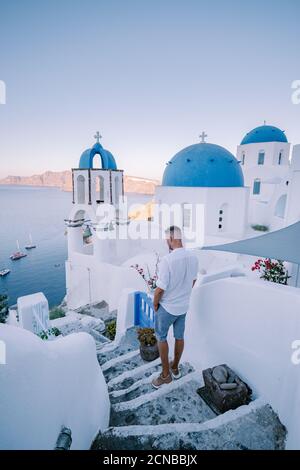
pixel 107 159
pixel 143 310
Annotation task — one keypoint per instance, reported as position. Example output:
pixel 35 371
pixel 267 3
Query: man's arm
pixel 158 293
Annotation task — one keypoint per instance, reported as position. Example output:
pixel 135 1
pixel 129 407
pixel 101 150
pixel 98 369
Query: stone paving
pixel 175 416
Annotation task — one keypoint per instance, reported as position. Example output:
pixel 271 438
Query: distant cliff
pixel 63 180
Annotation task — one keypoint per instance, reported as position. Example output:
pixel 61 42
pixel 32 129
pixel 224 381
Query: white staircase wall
pixel 251 326
pixel 47 384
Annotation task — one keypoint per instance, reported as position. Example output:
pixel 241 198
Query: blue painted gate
pixel 143 310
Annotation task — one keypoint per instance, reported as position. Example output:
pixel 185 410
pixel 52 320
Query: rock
pixel 220 374
pixel 228 386
pixel 225 396
pixel 231 378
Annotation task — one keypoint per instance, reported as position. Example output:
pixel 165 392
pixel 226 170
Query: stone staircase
pixel 174 417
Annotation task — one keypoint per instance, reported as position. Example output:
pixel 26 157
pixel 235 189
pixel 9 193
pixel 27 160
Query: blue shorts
pixel 163 321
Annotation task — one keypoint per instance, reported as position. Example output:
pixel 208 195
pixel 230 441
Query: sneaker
pixel 176 374
pixel 160 380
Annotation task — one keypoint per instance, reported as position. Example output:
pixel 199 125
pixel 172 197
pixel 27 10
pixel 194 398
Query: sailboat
pixel 30 245
pixel 18 254
pixel 4 272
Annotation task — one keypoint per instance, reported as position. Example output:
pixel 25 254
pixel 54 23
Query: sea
pixel 39 212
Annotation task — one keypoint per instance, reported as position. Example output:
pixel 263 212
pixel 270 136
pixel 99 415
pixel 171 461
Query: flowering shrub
pixel 149 279
pixel 273 271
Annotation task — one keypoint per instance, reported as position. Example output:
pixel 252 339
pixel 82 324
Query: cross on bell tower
pixel 97 136
pixel 203 137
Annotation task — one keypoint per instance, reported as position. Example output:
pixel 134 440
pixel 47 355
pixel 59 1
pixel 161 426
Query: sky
pixel 150 75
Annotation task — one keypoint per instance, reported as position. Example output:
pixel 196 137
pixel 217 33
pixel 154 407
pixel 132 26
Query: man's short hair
pixel 174 232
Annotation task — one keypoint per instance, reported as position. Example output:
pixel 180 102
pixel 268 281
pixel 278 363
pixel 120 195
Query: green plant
pixel 260 228
pixel 146 336
pixel 110 330
pixel 56 312
pixel 3 308
pixel 50 332
pixel 273 271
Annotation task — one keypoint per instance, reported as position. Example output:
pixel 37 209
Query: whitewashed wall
pixel 213 200
pixel 45 385
pixel 92 281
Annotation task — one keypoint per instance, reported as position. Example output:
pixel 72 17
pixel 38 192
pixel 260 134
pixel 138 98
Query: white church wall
pixel 214 200
pixel 49 384
pixel 293 202
pixel 271 150
pixel 250 325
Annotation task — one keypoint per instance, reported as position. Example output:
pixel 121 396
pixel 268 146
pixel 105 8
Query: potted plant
pixel 148 344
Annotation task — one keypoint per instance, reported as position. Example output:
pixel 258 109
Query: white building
pixel 209 175
pixel 259 187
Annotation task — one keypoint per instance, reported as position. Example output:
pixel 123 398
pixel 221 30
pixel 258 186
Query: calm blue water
pixel 41 212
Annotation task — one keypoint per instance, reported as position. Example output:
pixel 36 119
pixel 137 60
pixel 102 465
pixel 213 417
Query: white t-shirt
pixel 176 273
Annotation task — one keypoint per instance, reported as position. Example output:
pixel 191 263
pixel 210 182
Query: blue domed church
pixel 264 157
pixel 208 176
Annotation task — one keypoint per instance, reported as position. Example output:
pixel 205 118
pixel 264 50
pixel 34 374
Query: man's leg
pixel 178 350
pixel 163 321
pixel 179 327
pixel 163 348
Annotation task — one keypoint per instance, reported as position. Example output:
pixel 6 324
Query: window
pixel 256 187
pixel 280 206
pixel 261 158
pixel 186 216
pixel 223 216
pixel 117 190
pixel 280 158
pixel 81 189
pixel 243 158
pixel 101 188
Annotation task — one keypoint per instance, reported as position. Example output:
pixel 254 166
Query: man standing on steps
pixel 176 278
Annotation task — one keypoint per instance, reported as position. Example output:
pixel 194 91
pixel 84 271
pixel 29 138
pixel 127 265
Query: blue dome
pixel 264 134
pixel 204 165
pixel 107 159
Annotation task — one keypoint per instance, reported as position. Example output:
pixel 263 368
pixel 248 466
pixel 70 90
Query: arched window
pixel 81 189
pixel 256 186
pixel 97 161
pixel 280 206
pixel 222 217
pixel 101 188
pixel 280 158
pixel 261 158
pixel 243 158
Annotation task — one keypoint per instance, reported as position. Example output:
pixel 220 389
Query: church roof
pixel 264 134
pixel 203 165
pixel 107 159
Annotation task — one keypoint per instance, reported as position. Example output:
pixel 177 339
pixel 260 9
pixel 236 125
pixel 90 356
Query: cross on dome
pixel 97 136
pixel 203 137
